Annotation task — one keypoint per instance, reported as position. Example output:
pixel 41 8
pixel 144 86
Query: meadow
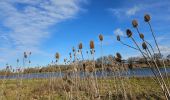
pixel 71 86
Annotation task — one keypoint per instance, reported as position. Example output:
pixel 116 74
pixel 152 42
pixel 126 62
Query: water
pixel 137 72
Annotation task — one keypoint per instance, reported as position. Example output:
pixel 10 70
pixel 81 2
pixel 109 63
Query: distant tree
pixel 107 60
pixel 158 56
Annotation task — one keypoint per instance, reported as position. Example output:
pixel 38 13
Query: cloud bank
pixel 26 22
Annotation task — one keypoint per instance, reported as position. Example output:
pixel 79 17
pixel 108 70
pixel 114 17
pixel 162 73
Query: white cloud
pixel 129 11
pixel 28 21
pixel 119 32
pixel 164 49
pixel 132 11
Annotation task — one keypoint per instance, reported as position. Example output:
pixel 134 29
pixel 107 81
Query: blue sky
pixel 45 27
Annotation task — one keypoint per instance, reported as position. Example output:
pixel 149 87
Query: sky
pixel 45 27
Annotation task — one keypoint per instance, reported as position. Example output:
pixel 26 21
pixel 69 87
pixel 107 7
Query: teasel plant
pixel 146 56
pixel 147 19
pixel 161 82
pixel 101 47
pixel 145 47
pixel 80 46
pixel 18 75
pixel 29 65
pixel 118 59
pixel 135 25
pixel 92 49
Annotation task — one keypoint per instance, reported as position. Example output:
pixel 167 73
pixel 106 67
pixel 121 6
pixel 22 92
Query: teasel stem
pixel 122 83
pixel 132 47
pixel 145 40
pixel 167 93
pixel 95 76
pixel 129 46
pixel 82 55
pixel 102 59
pixel 145 58
pixel 158 50
pixel 161 84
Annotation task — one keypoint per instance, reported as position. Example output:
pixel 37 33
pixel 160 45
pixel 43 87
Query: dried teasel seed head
pixel 118 38
pixel 147 18
pixel 129 32
pixel 17 60
pixel 141 36
pixel 57 55
pixel 101 37
pixel 91 44
pixel 89 69
pixel 80 46
pixel 135 23
pixel 67 88
pixel 118 57
pixel 87 52
pixel 144 46
pixel 25 55
pixel 73 49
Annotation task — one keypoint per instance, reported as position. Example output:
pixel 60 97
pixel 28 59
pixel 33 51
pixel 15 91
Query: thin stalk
pixel 147 61
pixel 167 90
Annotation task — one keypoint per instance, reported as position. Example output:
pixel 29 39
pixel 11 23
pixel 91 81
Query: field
pixel 109 89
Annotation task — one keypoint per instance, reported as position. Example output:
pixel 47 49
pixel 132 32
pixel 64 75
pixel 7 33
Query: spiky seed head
pixel 118 57
pixel 29 61
pixel 144 46
pixel 135 23
pixel 80 46
pixel 101 37
pixel 147 18
pixel 91 44
pixel 118 38
pixel 89 69
pixel 57 55
pixel 141 36
pixel 87 52
pixel 25 55
pixel 73 49
pixel 67 88
pixel 129 32
pixel 17 60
